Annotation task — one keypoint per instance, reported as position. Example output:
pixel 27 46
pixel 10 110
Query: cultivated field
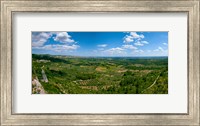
pixel 99 75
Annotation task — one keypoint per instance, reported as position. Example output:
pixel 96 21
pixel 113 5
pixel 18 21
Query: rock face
pixel 37 88
pixel 44 76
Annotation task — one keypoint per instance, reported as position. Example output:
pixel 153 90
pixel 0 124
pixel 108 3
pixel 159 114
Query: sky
pixel 105 44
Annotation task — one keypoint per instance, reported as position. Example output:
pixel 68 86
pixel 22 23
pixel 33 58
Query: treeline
pixel 48 57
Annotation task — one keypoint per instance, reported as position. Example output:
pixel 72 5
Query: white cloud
pixel 159 49
pixel 139 44
pixel 144 42
pixel 113 51
pixel 63 37
pixel 158 52
pixel 102 45
pixel 136 36
pixel 128 39
pixel 165 44
pixel 58 48
pixel 138 51
pixel 116 49
pixel 129 47
pixel 40 38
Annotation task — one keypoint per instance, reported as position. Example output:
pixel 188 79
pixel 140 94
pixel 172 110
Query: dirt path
pixel 44 76
pixel 152 83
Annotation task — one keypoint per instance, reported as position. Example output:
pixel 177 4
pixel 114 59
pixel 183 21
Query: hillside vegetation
pixel 101 75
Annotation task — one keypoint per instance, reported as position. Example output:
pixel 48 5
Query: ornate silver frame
pixel 8 7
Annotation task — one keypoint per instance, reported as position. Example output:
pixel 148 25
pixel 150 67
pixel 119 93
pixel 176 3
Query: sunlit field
pixel 79 75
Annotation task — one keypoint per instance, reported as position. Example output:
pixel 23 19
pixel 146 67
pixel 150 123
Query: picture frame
pixel 8 7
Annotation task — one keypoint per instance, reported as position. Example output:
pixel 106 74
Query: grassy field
pixel 99 75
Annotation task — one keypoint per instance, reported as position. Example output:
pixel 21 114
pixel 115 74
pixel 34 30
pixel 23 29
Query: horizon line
pixel 96 56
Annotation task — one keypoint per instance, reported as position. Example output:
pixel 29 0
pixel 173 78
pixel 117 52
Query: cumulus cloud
pixel 128 39
pixel 63 37
pixel 136 36
pixel 144 42
pixel 139 44
pixel 40 38
pixel 58 48
pixel 113 51
pixel 138 51
pixel 159 49
pixel 129 47
pixel 102 45
pixel 165 44
pixel 65 43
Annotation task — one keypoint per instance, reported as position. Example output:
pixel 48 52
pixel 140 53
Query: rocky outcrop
pixel 37 88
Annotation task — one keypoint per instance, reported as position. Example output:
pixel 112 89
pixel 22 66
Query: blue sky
pixel 125 44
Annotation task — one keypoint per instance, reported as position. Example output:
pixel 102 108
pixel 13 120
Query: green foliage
pixel 85 76
pixel 113 75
